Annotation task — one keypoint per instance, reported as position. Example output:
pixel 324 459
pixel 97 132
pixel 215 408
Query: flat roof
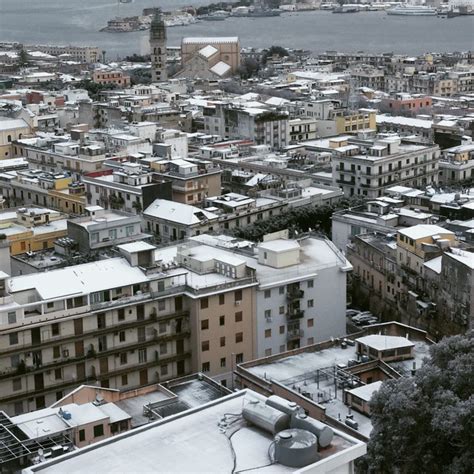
pixel 421 231
pixel 365 392
pixel 193 441
pixel 382 343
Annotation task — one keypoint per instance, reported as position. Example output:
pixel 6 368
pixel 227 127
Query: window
pixel 124 379
pixel 268 333
pixel 204 324
pixel 123 358
pixel 121 314
pixel 13 338
pixel 282 329
pixel 268 352
pixel 221 299
pixel 163 348
pixel 164 370
pixel 16 384
pixel 282 348
pixel 310 283
pixel 101 321
pixel 56 352
pixel 239 337
pixel 268 313
pixel 161 305
pixel 281 310
pixel 268 293
pixel 238 317
pixel 122 336
pixel 204 303
pixel 55 329
pixel 239 358
pixel 98 431
pixel 281 290
pixel 310 323
pixel 222 341
pixel 238 295
pixel 142 356
pixel 162 328
pixel 310 303
pixel 58 374
pixel 206 367
pixel 82 435
pixel 310 340
pixel 204 346
pixel 221 320
pixel 12 317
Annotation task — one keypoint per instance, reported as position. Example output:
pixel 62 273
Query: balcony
pixel 293 334
pixel 295 314
pixel 295 295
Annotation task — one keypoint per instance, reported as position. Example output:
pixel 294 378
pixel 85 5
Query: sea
pixel 78 22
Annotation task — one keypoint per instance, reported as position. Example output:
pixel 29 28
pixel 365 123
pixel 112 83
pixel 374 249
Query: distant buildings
pixel 106 77
pixel 209 58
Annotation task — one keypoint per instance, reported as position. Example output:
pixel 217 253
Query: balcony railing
pixel 295 314
pixel 294 334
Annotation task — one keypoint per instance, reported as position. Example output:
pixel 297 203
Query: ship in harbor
pixel 412 10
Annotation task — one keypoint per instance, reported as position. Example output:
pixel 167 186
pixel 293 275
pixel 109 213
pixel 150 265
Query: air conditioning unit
pixel 237 303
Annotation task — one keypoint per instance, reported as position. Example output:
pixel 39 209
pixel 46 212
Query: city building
pixel 31 229
pixel 369 168
pixel 11 130
pixel 301 292
pixel 209 57
pixel 129 188
pixel 334 379
pixel 102 228
pixel 219 436
pixel 106 77
pixel 191 180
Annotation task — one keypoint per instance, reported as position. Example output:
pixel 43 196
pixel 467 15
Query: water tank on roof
pixel 323 432
pixel 281 404
pixel 296 448
pixel 266 417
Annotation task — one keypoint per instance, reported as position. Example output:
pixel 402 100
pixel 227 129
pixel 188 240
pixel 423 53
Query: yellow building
pixel 32 229
pixel 416 243
pixel 352 122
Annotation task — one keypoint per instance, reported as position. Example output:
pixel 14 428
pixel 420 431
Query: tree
pixel 425 423
pixel 23 58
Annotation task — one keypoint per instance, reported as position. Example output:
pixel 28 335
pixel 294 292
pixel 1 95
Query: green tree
pixel 425 423
pixel 23 59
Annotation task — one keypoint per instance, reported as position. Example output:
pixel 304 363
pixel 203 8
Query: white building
pixel 301 296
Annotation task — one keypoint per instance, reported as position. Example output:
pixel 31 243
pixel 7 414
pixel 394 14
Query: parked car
pixel 352 312
pixel 370 321
pixel 364 318
pixel 361 315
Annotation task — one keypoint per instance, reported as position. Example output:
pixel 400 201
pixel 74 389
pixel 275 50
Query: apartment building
pixel 130 188
pixel 421 275
pixel 86 54
pixel 124 322
pixel 171 220
pixel 117 78
pixel 191 180
pixel 263 126
pixel 301 292
pixel 102 228
pixel 407 104
pixel 456 165
pixel 32 229
pixel 11 130
pixel 53 155
pixel 369 168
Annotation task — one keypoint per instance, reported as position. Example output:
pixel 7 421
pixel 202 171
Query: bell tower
pixel 158 48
